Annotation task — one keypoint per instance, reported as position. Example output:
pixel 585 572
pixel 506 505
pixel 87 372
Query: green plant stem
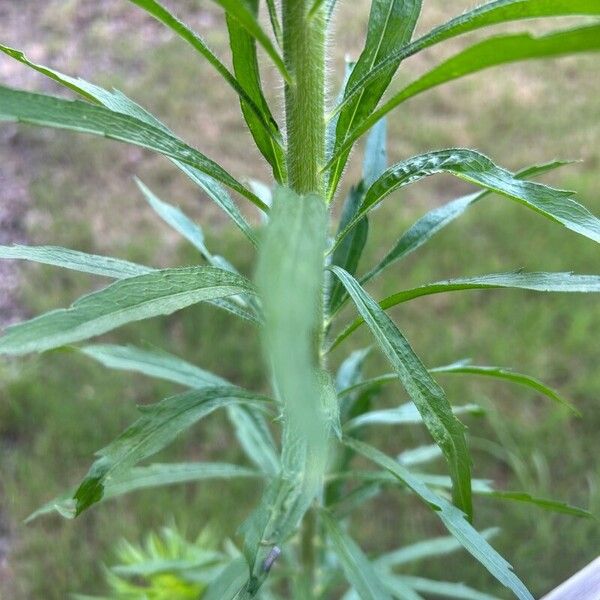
pixel 308 553
pixel 304 54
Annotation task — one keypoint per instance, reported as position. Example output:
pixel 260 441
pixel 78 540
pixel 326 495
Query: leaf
pixel 419 455
pixel 442 589
pixel 492 52
pixel 537 282
pixel 250 427
pixel 48 111
pixel 275 23
pixel 158 426
pixel 229 582
pixel 438 218
pixel 446 430
pixel 453 519
pixel 118 102
pixel 490 13
pixel 405 414
pixel 246 68
pixel 76 261
pixel 375 161
pixel 241 13
pixel 433 547
pixel 357 568
pixel 478 169
pixel 158 293
pixel 161 14
pixel 543 503
pixel 290 280
pixel 391 25
pixel 464 367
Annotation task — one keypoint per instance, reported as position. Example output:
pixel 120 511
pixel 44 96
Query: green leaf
pixel 76 261
pixel 48 111
pixel 464 367
pixel 543 503
pixel 250 427
pixel 391 25
pixel 446 430
pixel 118 102
pixel 419 455
pixel 275 23
pixel 405 414
pixel 537 282
pixel 357 568
pixel 246 68
pixel 438 218
pixel 228 583
pixel 375 161
pixel 443 589
pixel 291 290
pixel 492 52
pixel 473 167
pixel 434 547
pixel 241 13
pixel 453 519
pixel 158 426
pixel 490 13
pixel 158 293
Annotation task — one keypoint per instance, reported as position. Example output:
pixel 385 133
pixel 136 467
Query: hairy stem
pixel 304 53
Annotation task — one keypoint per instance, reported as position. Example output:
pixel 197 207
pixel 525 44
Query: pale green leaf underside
pixel 446 430
pixel 158 293
pixel 49 111
pixel 475 168
pixel 158 426
pixel 536 282
pixel 76 261
pixel 357 568
pixel 490 13
pixel 452 518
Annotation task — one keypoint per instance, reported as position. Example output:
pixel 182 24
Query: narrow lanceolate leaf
pixel 155 475
pixel 438 218
pixel 228 583
pixel 246 68
pixel 391 25
pixel 161 14
pixel 48 111
pixel 250 427
pixel 465 367
pixel 441 589
pixel 291 291
pixel 446 430
pixel 358 570
pixel 275 22
pixel 475 168
pixel 375 161
pixel 75 261
pixel 241 13
pixel 453 519
pixel 158 426
pixel 158 293
pixel 118 102
pixel 490 13
pixel 492 52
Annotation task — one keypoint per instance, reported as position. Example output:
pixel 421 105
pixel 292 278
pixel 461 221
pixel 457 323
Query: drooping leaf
pixel 446 430
pixel 290 279
pixel 357 568
pixel 155 475
pixel 76 261
pixel 405 414
pixel 250 427
pixel 473 167
pixel 49 111
pixel 537 282
pixel 246 69
pixel 433 547
pixel 391 25
pixel 438 218
pixel 492 52
pixel 156 428
pixel 465 367
pixel 453 519
pixel 490 13
pixel 241 13
pixel 419 455
pixel 158 293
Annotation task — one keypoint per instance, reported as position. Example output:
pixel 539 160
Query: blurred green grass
pixel 57 409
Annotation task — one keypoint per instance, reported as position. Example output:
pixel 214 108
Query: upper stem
pixel 304 54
